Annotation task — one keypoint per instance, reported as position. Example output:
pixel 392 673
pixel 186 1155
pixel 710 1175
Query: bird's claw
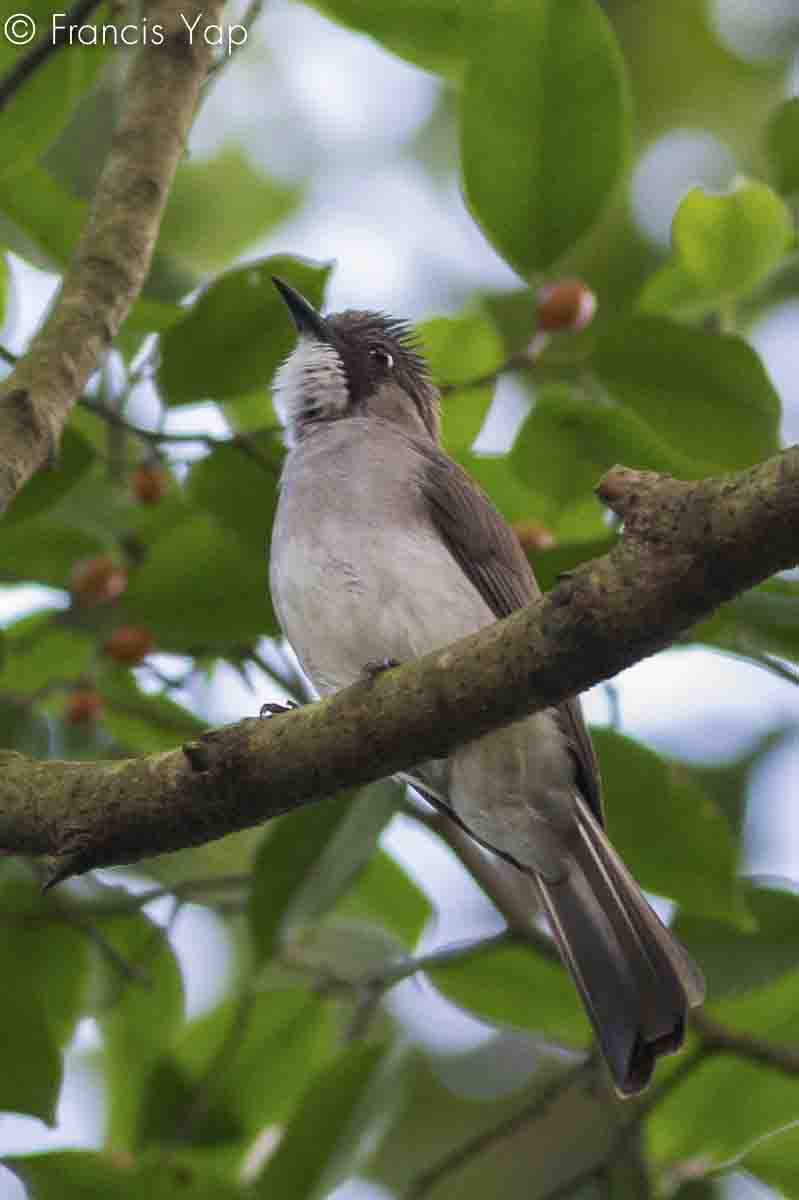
pixel 376 666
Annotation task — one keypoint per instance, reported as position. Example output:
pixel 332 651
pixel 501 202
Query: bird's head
pixel 353 364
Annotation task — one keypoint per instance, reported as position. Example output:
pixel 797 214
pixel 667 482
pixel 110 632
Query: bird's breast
pixel 358 574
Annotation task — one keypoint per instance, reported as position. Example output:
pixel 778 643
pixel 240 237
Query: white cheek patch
pixel 310 385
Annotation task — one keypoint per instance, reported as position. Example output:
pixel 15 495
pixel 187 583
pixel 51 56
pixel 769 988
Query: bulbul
pixel 383 549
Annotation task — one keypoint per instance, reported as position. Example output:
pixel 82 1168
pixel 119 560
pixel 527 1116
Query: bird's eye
pixel 385 359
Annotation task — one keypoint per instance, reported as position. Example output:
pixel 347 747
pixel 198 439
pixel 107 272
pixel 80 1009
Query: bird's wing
pixel 490 555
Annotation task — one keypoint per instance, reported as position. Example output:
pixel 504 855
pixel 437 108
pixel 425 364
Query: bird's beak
pixel 304 315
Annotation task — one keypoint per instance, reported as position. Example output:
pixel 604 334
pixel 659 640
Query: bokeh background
pixel 339 151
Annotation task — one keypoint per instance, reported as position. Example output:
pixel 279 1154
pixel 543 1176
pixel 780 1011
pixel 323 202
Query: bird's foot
pixel 376 666
pixel 275 710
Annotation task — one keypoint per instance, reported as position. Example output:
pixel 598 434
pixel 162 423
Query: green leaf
pixel 176 1111
pixel 672 291
pixel 763 620
pixel 549 565
pixel 40 219
pixel 44 963
pixel 237 333
pixel 44 550
pixel 568 442
pixel 736 961
pixel 311 1149
pixel 686 851
pixel 219 206
pixel 515 986
pixel 683 382
pixel 183 590
pixel 286 1036
pixel 290 853
pixel 774 1158
pixel 146 316
pixel 39 110
pixel 782 146
pixel 705 1116
pixel 89 1175
pixel 24 729
pixel 348 852
pixel 48 484
pixel 41 648
pixel 731 243
pixel 139 1004
pixel 428 33
pixel 141 722
pixel 458 350
pixel 238 486
pixel 545 125
pixel 384 891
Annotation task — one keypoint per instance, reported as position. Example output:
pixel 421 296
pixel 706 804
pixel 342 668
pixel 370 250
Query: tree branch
pixel 687 547
pixel 113 256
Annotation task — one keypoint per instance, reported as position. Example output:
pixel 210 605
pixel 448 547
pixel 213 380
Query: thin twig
pixel 429 1179
pixel 248 19
pixel 686 1067
pixel 246 442
pixel 50 41
pixel 717 1037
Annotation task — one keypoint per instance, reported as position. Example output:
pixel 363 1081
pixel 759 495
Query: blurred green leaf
pixel 310 1151
pixel 236 333
pixel 289 857
pixel 683 382
pixel 142 722
pixel 238 485
pixel 428 33
pixel 688 853
pixel 40 219
pixel 24 729
pixel 545 125
pixel 48 484
pixel 764 620
pixel 549 565
pixel 37 111
pixel 568 442
pixel 774 1158
pixel 672 291
pixel 260 1056
pixel 44 964
pixel 736 961
pixel 731 243
pixel 147 316
pixel 514 986
pixel 40 649
pixel 219 206
pixel 460 349
pixel 44 550
pixel 190 608
pixel 175 1111
pixel 139 1005
pixel 782 145
pixel 384 891
pixel 89 1175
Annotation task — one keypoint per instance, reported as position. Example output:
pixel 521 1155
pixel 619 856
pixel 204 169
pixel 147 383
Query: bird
pixel 383 549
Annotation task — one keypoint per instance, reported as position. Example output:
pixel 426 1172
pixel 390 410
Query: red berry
pixel 534 536
pixel 149 483
pixel 129 644
pixel 97 580
pixel 83 706
pixel 568 304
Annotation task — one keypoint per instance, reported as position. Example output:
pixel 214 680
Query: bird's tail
pixel 635 979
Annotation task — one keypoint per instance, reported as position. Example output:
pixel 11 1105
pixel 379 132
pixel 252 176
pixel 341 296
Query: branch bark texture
pixel 113 256
pixel 687 547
